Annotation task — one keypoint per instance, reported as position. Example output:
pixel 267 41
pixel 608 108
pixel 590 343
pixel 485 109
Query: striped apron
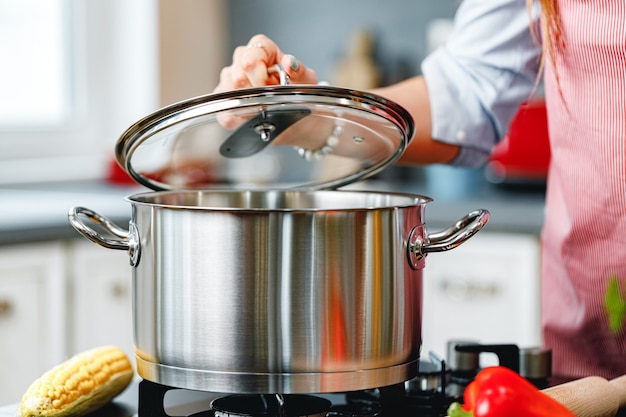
pixel 584 237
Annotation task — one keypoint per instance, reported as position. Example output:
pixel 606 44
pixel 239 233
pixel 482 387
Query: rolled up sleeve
pixel 479 78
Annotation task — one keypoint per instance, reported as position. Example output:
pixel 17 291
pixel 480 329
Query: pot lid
pixel 285 136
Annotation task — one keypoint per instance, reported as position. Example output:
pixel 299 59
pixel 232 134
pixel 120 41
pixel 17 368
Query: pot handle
pixel 122 239
pixel 447 239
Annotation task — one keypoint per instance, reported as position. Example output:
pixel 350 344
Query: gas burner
pixel 152 400
pixel 380 402
pixel 270 405
pixel 437 384
pixel 431 392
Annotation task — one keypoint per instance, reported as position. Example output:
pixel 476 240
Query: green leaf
pixel 456 410
pixel 614 305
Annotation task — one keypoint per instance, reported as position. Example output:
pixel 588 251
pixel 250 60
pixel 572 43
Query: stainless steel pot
pixel 278 286
pixel 277 291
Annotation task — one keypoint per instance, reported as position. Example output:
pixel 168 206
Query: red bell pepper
pixel 498 391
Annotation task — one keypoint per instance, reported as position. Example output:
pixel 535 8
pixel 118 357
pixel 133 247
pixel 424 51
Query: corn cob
pixel 78 386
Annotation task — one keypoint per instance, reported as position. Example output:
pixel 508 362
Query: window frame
pixel 115 76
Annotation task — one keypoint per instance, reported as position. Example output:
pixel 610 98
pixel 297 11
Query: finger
pixel 231 79
pixel 297 72
pixel 254 65
pixel 260 54
pixel 268 46
pixel 249 65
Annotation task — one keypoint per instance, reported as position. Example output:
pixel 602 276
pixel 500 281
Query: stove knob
pixel 536 365
pixel 463 365
pixel 462 361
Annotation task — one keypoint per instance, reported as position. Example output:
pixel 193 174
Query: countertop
pixel 38 212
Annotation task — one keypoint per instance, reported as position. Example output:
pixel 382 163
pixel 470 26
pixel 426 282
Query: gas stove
pixel 438 383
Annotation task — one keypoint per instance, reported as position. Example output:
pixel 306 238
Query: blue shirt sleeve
pixel 478 79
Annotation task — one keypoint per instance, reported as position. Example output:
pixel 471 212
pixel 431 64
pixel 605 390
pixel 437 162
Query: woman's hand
pixel 251 63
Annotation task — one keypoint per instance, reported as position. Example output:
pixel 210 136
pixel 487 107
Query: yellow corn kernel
pixel 80 385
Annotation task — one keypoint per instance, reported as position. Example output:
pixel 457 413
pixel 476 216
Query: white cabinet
pixel 32 314
pixel 486 290
pixel 100 283
pixel 57 299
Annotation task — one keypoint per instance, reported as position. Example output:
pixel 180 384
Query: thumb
pixel 297 72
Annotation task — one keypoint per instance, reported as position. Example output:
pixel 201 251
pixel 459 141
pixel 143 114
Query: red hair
pixel 551 34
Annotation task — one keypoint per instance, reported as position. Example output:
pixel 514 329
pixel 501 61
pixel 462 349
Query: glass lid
pixel 286 136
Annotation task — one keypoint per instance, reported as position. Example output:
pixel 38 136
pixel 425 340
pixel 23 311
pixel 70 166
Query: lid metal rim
pixel 287 95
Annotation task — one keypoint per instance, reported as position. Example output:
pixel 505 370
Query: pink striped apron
pixel 584 238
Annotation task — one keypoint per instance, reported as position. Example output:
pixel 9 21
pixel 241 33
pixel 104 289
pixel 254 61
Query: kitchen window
pixel 34 37
pixel 75 74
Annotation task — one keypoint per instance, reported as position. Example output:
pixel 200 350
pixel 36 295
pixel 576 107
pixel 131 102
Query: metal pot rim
pixel 278 200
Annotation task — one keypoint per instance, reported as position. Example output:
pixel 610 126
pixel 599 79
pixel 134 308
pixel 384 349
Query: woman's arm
pixel 469 91
pixel 412 94
pixel 250 68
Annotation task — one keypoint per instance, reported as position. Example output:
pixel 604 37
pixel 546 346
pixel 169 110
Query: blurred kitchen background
pixel 76 74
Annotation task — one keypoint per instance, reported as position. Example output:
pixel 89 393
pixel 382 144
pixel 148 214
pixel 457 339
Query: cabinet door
pixel 486 291
pixel 101 283
pixel 32 315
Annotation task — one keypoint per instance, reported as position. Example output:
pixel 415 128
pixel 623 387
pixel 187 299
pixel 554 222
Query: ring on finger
pixel 257 45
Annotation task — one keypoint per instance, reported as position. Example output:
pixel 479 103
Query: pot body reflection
pixel 279 297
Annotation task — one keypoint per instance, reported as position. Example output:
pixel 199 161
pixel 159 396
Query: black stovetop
pixel 179 402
